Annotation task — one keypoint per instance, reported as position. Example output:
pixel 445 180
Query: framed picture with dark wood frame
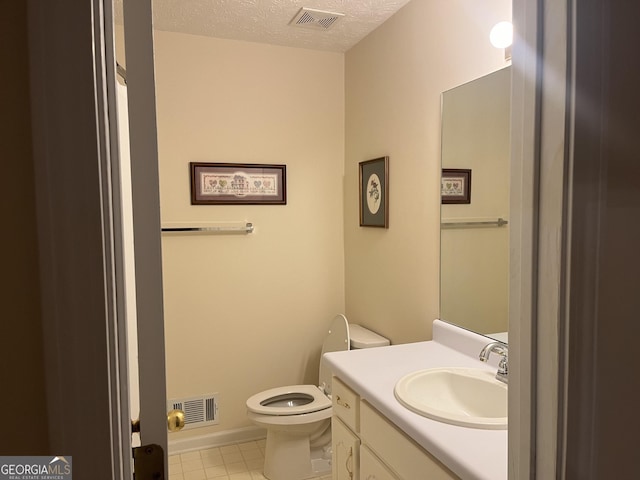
pixel 238 184
pixel 456 186
pixel 374 193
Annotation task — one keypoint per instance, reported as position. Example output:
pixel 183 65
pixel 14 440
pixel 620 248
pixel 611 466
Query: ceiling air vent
pixel 317 19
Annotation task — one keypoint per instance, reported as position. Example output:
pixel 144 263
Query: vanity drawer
pixel 398 451
pixel 346 404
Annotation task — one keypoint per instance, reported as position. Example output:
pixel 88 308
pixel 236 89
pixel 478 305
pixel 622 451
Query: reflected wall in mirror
pixel 474 264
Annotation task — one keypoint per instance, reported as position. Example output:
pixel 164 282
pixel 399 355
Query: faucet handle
pixel 494 347
pixel 501 349
pixel 503 366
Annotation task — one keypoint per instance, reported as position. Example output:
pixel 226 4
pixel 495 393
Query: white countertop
pixel 472 454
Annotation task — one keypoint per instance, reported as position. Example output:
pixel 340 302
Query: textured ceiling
pixel 267 21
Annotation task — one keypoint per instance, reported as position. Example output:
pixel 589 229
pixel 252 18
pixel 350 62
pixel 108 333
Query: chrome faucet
pixel 503 367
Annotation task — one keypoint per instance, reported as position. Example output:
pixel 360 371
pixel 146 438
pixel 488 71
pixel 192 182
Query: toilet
pixel 298 417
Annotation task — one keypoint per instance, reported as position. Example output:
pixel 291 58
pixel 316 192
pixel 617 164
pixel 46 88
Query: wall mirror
pixel 474 234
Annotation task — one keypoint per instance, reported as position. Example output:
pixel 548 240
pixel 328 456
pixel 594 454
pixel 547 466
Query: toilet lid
pixel 337 341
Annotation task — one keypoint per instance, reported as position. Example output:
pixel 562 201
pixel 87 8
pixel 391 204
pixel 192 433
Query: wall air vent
pixel 316 19
pixel 198 411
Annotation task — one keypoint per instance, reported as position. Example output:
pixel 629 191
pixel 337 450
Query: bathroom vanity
pixel 376 438
pixel 367 445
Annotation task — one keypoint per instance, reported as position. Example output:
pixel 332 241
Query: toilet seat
pixel 290 400
pixel 302 399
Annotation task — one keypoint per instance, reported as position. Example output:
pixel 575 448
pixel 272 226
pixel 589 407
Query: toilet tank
pixel 364 338
pixel 339 333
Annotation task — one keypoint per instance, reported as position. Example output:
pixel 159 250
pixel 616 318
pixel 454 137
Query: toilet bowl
pixel 298 417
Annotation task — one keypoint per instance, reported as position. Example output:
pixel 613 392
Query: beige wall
pixel 394 79
pixel 245 313
pixel 475 261
pixel 248 312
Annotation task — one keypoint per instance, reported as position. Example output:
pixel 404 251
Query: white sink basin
pixel 467 397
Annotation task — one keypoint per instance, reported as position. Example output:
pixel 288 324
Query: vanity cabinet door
pixel 398 451
pixel 346 451
pixel 371 468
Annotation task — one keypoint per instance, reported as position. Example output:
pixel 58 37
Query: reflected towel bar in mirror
pixel 500 222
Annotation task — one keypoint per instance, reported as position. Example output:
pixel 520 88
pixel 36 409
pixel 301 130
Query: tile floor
pixel 242 461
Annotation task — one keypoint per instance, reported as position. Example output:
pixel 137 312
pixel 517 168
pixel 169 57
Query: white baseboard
pixel 218 439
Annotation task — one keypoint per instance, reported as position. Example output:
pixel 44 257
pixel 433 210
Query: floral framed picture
pixel 374 193
pixel 238 184
pixel 456 186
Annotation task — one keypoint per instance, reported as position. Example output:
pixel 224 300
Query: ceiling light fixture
pixel 501 35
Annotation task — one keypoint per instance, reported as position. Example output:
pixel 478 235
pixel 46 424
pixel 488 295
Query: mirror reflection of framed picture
pixel 456 186
pixel 374 193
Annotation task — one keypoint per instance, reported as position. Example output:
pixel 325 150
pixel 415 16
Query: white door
pixel 145 202
pixel 137 191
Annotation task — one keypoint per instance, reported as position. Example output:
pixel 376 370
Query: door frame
pixel 76 164
pixel 75 146
pixel 79 254
pixel 543 103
